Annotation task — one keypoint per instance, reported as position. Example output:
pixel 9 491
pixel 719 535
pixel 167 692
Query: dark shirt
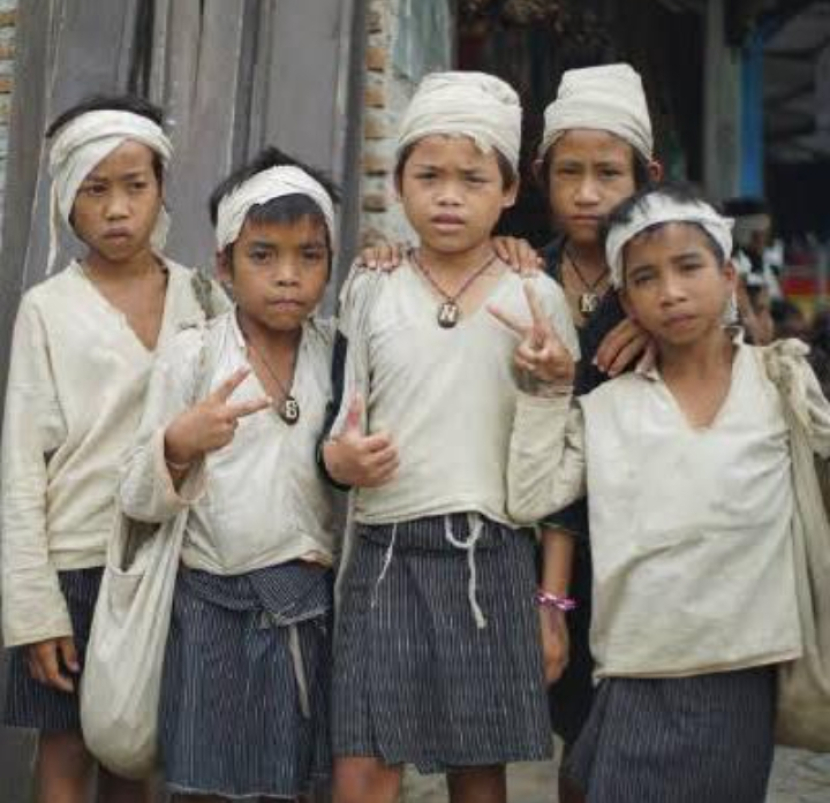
pixel 598 324
pixel 571 696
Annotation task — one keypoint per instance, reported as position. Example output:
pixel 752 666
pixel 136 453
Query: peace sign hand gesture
pixel 541 356
pixel 210 424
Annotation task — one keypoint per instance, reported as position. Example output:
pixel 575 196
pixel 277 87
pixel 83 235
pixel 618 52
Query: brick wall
pixel 385 100
pixel 8 16
pixel 390 82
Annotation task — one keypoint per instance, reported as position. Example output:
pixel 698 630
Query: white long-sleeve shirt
pixel 76 388
pixel 691 528
pixel 259 500
pixel 447 396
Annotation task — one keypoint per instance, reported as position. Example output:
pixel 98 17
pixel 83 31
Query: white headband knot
pixel 82 144
pixel 275 182
pixel 658 209
pixel 607 98
pixel 471 104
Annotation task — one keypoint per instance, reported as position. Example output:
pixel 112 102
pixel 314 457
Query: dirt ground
pixel 797 777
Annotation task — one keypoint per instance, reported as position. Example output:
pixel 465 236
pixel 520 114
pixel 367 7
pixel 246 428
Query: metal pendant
pixel 289 411
pixel 448 314
pixel 588 303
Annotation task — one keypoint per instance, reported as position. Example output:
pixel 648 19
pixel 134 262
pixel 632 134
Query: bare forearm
pixel 557 561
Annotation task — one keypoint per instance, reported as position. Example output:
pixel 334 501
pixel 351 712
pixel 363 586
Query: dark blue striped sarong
pixel 416 679
pixel 684 740
pixel 245 692
pixel 30 704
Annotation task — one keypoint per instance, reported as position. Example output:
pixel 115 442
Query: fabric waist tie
pixel 476 527
pixel 268 620
pixel 299 669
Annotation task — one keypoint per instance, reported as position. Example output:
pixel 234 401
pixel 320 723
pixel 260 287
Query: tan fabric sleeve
pixel 146 490
pixel 546 469
pixel 34 608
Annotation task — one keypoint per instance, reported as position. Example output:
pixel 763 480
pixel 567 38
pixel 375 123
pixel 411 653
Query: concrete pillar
pixel 721 108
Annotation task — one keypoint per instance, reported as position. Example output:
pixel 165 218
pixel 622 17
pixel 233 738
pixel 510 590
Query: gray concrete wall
pixel 16 747
pixel 226 71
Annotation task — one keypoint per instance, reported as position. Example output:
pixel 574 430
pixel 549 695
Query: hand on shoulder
pixel 519 254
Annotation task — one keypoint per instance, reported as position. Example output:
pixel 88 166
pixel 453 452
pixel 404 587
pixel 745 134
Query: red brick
pixel 375 128
pixel 375 97
pixel 374 165
pixel 376 59
pixel 375 202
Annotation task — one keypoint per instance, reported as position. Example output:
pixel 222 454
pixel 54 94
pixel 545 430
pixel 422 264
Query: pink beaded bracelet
pixel 563 604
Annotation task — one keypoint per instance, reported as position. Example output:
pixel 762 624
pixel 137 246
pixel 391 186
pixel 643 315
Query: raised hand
pixel 541 355
pixel 210 424
pixel 359 460
pixel 519 254
pixel 45 659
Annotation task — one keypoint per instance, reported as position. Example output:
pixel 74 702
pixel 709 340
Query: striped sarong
pixel 30 704
pixel 245 692
pixel 437 648
pixel 679 740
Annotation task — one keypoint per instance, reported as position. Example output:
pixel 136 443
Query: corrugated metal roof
pixel 797 86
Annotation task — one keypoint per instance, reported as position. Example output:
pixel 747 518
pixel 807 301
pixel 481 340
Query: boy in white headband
pixel 84 343
pixel 244 697
pixel 596 151
pixel 437 651
pixel 687 465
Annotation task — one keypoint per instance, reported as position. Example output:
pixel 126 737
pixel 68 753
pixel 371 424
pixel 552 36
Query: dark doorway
pixel 530 44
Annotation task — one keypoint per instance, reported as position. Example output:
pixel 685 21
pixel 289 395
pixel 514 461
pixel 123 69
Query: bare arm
pixel 557 565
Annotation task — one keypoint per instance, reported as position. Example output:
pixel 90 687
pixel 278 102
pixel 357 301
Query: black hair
pixel 640 166
pixel 681 192
pixel 509 176
pixel 120 103
pixel 286 209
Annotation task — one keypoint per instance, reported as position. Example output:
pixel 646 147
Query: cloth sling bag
pixel 803 707
pixel 121 681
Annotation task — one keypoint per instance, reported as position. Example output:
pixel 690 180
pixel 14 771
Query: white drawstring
pixel 387 560
pixel 476 527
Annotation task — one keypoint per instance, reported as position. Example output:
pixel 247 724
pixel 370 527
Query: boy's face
pixel 453 193
pixel 118 203
pixel 590 172
pixel 279 271
pixel 674 287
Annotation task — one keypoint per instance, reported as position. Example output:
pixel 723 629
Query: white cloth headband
pixel 472 104
pixel 657 209
pixel 275 182
pixel 607 98
pixel 85 142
